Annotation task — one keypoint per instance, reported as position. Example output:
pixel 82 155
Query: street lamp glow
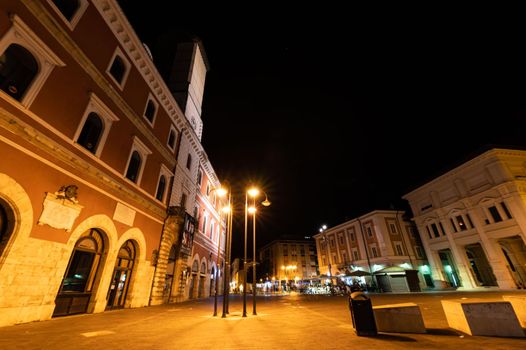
pixel 253 192
pixel 221 192
pixel 226 209
pixel 324 227
pixel 251 210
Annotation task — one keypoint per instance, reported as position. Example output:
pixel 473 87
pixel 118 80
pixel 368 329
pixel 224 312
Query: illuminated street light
pixel 252 192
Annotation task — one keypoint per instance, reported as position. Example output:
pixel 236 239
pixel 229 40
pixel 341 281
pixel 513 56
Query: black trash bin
pixel 362 314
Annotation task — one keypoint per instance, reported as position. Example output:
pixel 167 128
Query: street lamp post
pixel 221 193
pixel 245 260
pixel 322 230
pixel 253 192
pixel 228 244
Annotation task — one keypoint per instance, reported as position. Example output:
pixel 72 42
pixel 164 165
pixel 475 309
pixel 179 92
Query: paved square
pixel 289 322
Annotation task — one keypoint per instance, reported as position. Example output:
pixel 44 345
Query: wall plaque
pixel 124 214
pixel 59 212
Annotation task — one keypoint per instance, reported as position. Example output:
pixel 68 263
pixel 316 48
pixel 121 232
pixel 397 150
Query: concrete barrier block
pixel 399 318
pixel 482 317
pixel 518 302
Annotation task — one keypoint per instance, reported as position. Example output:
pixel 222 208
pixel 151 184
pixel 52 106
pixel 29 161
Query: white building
pixel 472 221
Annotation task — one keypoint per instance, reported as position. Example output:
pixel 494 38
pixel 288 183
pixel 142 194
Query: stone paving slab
pixel 290 322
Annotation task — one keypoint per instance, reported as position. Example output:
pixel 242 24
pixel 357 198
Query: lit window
pixel 461 223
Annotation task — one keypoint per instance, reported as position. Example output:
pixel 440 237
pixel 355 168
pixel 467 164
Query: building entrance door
pixel 450 270
pixel 121 276
pixel 78 282
pixel 479 265
pixel 169 277
pixel 514 251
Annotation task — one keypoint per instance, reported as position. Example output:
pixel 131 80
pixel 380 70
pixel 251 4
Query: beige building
pixel 472 221
pixel 287 261
pixel 382 244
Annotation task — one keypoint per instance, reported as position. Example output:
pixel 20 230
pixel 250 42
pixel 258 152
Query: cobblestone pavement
pixel 288 322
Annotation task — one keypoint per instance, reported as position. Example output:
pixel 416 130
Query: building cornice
pixel 492 153
pixel 123 31
pixel 52 26
pixel 344 225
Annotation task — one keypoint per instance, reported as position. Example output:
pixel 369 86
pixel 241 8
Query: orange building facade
pixel 98 165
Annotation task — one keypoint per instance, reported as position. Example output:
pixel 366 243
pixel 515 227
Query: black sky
pixel 338 112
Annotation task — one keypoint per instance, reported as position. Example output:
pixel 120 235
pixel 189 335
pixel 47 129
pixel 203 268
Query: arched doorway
pixel 168 281
pixel 80 277
pixel 450 269
pixel 121 276
pixel 202 281
pixel 193 281
pixel 7 221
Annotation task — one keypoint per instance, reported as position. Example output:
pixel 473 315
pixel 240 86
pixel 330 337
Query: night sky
pixel 339 112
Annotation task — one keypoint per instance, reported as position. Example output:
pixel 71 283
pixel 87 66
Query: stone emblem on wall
pixel 61 208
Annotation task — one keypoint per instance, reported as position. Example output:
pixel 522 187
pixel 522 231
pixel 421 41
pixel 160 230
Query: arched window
pixel 118 69
pixel 91 131
pixel 135 165
pixel 160 188
pixel 149 113
pixel 195 267
pixel 171 139
pixel 188 161
pixel 68 8
pixel 204 225
pixel 18 68
pixel 203 268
